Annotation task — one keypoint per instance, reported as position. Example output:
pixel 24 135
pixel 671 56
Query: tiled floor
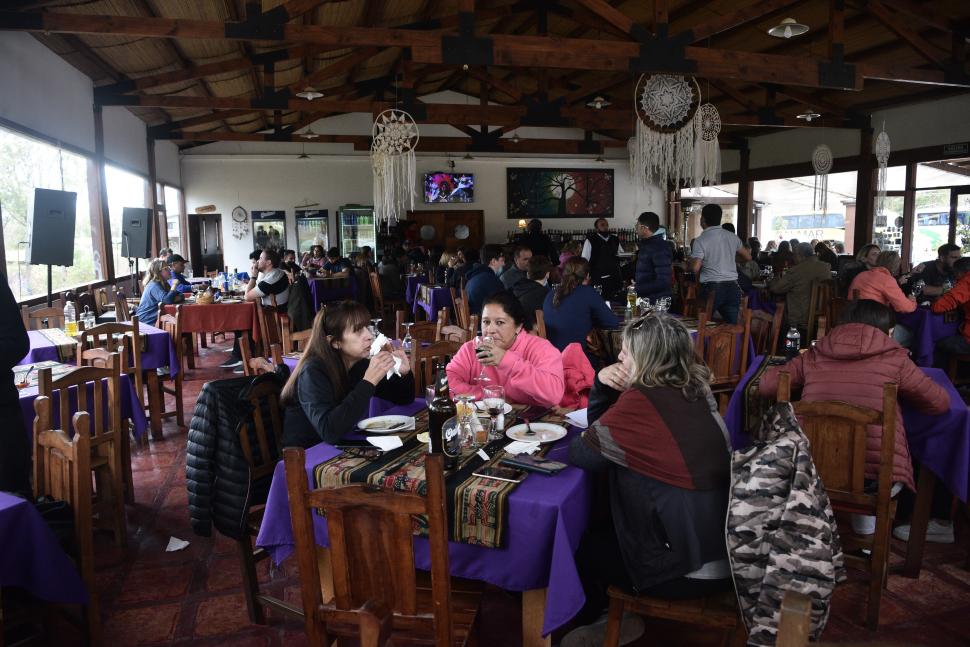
pixel 194 596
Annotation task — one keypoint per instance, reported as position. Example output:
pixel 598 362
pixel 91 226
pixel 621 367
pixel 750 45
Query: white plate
pixel 480 405
pixel 386 424
pixel 544 433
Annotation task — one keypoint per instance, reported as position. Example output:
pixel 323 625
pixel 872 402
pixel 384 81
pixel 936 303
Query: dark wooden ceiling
pixel 200 71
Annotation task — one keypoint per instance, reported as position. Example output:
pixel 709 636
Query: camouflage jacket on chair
pixel 781 532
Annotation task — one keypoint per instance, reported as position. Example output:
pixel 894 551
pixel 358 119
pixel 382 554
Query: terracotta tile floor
pixel 194 596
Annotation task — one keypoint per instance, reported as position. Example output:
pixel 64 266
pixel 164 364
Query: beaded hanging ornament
pixel 881 148
pixel 707 126
pixel 663 148
pixel 822 163
pixel 394 137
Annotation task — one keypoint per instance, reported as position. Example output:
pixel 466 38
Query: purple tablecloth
pixel 159 349
pixel 438 298
pixel 411 289
pixel 547 517
pixel 323 290
pixel 31 558
pixel 130 406
pixel 757 301
pixel 927 328
pixel 941 443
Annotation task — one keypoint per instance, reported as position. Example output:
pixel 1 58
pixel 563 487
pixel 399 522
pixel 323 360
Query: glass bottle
pixel 442 409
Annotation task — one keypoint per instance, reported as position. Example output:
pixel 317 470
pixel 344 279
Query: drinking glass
pixel 375 326
pixel 478 342
pixel 408 342
pixel 483 431
pixel 918 287
pixel 494 397
pixel 429 394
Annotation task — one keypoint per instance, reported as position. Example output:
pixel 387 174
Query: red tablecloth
pixel 218 317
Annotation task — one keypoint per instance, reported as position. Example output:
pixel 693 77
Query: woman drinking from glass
pixel 529 367
pixel 157 292
pixel 330 389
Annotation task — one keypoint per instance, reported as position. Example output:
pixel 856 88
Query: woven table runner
pixel 479 505
pixel 753 405
pixel 31 371
pixel 64 343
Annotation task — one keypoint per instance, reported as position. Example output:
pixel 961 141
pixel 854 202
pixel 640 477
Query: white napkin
pixel 520 447
pixel 376 347
pixel 174 544
pixel 578 418
pixel 387 443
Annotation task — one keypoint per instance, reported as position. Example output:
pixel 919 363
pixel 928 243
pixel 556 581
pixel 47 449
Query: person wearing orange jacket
pixel 958 297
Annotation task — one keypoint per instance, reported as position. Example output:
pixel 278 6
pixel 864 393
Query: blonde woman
pixel 447 261
pixel 655 429
pixel 156 291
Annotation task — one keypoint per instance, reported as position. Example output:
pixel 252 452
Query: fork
pixel 528 428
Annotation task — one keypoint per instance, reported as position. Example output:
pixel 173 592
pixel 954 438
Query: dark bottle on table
pixel 440 411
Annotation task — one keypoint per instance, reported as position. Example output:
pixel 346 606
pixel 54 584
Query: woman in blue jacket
pixel 572 310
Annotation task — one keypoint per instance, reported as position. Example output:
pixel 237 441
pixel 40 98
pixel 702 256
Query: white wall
pixel 280 182
pixel 43 92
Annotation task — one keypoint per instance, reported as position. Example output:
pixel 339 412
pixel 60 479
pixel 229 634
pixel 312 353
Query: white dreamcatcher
pixel 394 138
pixel 822 163
pixel 240 223
pixel 707 126
pixel 881 147
pixel 663 148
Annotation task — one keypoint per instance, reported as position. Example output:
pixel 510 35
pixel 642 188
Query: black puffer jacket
pixel 216 472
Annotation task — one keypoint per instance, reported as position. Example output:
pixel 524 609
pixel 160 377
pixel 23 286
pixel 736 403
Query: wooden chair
pixel 837 434
pixel 718 346
pixel 104 433
pixel 40 317
pixel 62 471
pixel 766 330
pixel 267 432
pixel 822 293
pixel 384 307
pixel 452 333
pixel 253 366
pixel 540 329
pixel 122 313
pixel 294 342
pixel 422 331
pixel 157 389
pixel 697 306
pixel 423 358
pixel 378 595
pixel 270 325
pixel 462 315
pixel 719 612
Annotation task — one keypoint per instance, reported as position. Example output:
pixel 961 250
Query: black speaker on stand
pixel 136 240
pixel 54 213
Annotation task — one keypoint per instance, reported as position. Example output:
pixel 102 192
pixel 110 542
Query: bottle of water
pixel 70 319
pixel 793 341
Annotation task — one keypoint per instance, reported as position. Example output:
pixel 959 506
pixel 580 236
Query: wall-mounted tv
pixel 440 186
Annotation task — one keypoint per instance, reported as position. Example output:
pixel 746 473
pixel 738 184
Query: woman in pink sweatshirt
pixel 880 284
pixel 529 367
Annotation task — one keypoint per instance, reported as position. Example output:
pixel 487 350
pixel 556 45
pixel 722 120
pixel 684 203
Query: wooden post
pixel 909 215
pixel 153 184
pixel 864 196
pixel 745 195
pixel 103 241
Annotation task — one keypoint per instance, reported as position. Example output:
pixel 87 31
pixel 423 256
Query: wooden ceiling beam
pixel 899 26
pixel 736 19
pixel 735 94
pixel 614 17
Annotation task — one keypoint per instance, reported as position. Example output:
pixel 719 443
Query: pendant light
pixel 309 134
pixel 309 93
pixel 809 115
pixel 598 103
pixel 788 28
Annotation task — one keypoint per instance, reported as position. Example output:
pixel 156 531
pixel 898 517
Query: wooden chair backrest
pixel 423 358
pixel 540 328
pixel 371 552
pixel 837 434
pixel 462 315
pixel 270 326
pixel 264 397
pixel 172 324
pixel 122 338
pixel 103 429
pixel 473 325
pixel 253 366
pixel 720 349
pixel 376 290
pixel 697 306
pixel 87 300
pixel 104 298
pixel 294 342
pixel 452 333
pixel 766 330
pixel 42 317
pixel 122 313
pixel 422 331
pixel 822 294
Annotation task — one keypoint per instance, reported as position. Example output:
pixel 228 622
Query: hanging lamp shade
pixel 598 103
pixel 788 28
pixel 809 115
pixel 309 93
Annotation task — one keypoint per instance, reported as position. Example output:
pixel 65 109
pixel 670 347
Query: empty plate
pixel 544 432
pixel 386 424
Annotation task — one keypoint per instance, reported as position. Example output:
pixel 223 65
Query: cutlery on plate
pixel 528 428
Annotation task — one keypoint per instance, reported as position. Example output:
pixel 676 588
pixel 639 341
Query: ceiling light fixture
pixel 599 158
pixel 309 134
pixel 309 93
pixel 787 28
pixel 598 103
pixel 808 115
pixel 515 138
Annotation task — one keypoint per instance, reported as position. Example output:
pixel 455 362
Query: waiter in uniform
pixel 601 249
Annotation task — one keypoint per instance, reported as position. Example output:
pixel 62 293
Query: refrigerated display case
pixel 269 229
pixel 356 229
pixel 311 229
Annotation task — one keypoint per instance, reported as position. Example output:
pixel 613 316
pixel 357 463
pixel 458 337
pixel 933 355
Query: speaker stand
pixel 50 286
pixel 133 271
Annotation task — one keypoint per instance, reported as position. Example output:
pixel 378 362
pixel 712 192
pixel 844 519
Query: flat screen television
pixel 440 186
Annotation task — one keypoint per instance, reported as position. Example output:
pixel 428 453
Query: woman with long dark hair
pixel 314 259
pixel 330 389
pixel 572 310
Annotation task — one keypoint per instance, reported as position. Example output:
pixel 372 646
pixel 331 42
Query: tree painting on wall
pixel 559 193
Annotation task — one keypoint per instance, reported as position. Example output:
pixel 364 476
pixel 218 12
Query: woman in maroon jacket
pixel 851 364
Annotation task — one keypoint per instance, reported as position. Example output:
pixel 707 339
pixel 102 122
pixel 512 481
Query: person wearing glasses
pixel 330 389
pixel 656 432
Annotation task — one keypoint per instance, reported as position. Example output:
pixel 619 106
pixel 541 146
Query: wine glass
pixel 494 398
pixel 408 342
pixel 918 288
pixel 375 326
pixel 429 394
pixel 478 343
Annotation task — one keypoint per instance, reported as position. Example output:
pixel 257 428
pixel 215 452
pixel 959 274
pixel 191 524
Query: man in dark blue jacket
pixel 483 280
pixel 654 258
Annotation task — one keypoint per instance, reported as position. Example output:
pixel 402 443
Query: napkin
pixel 520 447
pixel 578 418
pixel 387 443
pixel 174 544
pixel 376 347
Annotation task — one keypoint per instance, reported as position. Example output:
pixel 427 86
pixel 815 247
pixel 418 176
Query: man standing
pixel 520 266
pixel 483 281
pixel 713 259
pixel 531 291
pixel 265 279
pixel 601 250
pixel 538 242
pixel 796 284
pixel 935 273
pixel 654 259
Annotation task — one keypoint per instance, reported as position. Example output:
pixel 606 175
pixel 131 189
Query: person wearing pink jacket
pixel 880 284
pixel 529 367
